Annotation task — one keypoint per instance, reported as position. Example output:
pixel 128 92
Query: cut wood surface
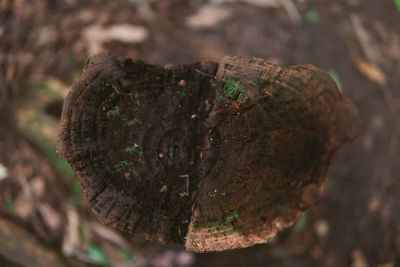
pixel 213 156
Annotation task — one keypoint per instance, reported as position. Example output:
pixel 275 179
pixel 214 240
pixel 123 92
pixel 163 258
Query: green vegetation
pixel 120 165
pixel 301 224
pixel 300 184
pixel 131 149
pixel 124 254
pixel 132 122
pixel 76 189
pixel 225 226
pixel 116 88
pixel 168 67
pixel 34 123
pixel 113 112
pixel 180 92
pixel 282 253
pixel 397 5
pixel 49 90
pixel 231 89
pixel 214 224
pixel 330 183
pixel 135 97
pixel 9 201
pixel 103 85
pixel 313 16
pixel 97 255
pixel 335 76
pixel 132 170
pixel 353 2
pixel 212 82
pixel 232 216
pixel 106 167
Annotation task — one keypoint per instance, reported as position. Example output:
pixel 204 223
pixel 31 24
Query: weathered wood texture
pixel 211 156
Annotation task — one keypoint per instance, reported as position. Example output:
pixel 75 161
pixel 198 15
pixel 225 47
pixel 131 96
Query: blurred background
pixel 44 221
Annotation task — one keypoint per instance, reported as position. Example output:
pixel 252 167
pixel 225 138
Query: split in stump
pixel 212 156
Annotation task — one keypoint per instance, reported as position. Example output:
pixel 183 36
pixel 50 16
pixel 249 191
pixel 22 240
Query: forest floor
pixel 44 45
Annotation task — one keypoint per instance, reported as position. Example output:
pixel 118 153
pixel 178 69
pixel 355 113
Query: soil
pixel 43 49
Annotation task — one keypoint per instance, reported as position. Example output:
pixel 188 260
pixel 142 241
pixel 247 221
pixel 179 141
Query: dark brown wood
pixel 211 157
pixel 279 133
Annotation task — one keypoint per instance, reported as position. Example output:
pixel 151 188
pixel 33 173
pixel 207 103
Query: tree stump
pixel 212 156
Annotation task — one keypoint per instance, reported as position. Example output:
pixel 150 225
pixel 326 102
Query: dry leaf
pixel 110 235
pixel 22 207
pixel 257 3
pixel 368 44
pixel 358 259
pixel 3 172
pixel 96 35
pixel 291 10
pixel 50 216
pixel 371 71
pixel 322 228
pixel 208 16
pixel 72 240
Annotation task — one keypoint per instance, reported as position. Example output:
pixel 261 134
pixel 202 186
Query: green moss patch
pixel 133 149
pixel 232 90
pixel 132 122
pixel 113 112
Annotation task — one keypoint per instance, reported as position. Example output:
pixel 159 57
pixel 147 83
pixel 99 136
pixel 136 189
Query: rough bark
pixel 211 156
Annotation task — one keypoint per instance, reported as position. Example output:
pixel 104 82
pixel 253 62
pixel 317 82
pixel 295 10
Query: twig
pixel 27 191
pixel 291 10
pixel 203 73
pixel 390 153
pixel 110 235
pixel 187 183
pixel 71 238
pixel 364 38
pixel 372 53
